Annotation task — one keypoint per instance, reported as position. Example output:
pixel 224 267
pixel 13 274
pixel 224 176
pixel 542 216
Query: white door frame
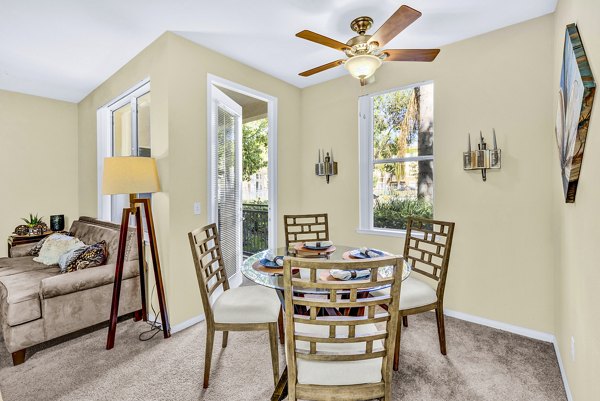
pixel 272 149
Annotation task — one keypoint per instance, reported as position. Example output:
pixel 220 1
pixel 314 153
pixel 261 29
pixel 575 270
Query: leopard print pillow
pixel 35 251
pixel 90 256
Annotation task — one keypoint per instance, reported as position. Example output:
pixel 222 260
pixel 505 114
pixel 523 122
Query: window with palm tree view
pixel 402 158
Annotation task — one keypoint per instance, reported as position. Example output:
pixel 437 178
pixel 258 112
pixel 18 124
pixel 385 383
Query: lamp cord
pixel 154 327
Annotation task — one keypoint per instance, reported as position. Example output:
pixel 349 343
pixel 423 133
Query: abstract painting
pixel 575 99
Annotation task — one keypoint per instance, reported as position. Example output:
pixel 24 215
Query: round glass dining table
pixel 275 281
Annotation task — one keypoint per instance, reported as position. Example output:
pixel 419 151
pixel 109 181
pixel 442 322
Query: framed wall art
pixel 575 99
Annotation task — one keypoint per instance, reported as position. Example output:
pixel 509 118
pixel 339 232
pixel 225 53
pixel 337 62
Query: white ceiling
pixel 63 49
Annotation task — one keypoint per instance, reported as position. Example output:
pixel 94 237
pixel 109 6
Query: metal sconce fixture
pixel 326 166
pixel 482 158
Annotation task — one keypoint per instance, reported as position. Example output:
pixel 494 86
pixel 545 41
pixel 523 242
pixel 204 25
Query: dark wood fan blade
pixel 411 54
pixel 322 40
pixel 321 68
pixel 402 18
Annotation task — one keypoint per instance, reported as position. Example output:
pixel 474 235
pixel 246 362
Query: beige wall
pixel 38 160
pixel 189 66
pixel 521 255
pixel 577 288
pixel 502 260
pixel 178 72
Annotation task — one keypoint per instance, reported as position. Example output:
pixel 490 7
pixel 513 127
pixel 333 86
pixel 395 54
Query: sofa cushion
pixel 19 250
pixel 80 280
pixel 10 266
pixel 92 231
pixel 19 295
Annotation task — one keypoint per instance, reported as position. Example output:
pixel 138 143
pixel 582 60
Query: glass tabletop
pixel 275 281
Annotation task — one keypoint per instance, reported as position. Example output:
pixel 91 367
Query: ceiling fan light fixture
pixel 362 66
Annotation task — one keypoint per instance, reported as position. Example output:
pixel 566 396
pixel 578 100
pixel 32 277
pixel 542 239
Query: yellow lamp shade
pixel 130 175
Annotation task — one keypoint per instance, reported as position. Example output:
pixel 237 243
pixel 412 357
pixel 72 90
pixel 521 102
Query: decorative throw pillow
pixel 56 245
pixel 83 258
pixel 35 251
pixel 68 257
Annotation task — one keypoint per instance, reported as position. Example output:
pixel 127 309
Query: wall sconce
pixel 326 166
pixel 482 158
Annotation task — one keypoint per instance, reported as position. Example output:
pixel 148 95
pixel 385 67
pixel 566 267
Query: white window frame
pixel 105 137
pixel 366 162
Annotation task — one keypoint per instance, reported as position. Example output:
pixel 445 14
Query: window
pixel 396 158
pixel 123 130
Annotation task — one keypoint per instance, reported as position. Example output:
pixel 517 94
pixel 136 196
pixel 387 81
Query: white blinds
pixel 228 182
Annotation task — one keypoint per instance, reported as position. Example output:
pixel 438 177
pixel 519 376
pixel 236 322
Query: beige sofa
pixel 38 304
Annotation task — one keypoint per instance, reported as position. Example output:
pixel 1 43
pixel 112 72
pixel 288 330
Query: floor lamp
pixel 134 175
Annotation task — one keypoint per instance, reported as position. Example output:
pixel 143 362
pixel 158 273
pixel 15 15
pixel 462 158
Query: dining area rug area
pixel 482 364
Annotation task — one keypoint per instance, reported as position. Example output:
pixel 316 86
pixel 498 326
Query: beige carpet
pixel 482 364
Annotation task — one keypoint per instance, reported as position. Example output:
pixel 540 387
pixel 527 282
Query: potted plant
pixel 35 224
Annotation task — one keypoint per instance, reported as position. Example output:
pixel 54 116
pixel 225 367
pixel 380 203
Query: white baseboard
pixel 562 371
pixel 537 335
pixel 181 326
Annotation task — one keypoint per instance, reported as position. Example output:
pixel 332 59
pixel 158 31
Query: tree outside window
pixel 402 156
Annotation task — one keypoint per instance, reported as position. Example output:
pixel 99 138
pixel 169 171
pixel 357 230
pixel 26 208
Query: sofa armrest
pixel 20 250
pixel 85 279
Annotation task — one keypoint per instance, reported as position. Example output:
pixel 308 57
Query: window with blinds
pixel 228 182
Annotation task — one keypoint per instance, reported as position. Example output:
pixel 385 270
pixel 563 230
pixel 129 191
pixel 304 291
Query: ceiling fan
pixel 364 52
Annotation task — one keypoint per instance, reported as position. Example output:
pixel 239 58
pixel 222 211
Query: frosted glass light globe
pixel 362 66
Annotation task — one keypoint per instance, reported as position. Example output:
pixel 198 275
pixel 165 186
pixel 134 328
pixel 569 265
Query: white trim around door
pixel 272 149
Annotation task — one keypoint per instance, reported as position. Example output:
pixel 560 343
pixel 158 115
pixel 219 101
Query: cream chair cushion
pixel 248 304
pixel 338 373
pixel 414 293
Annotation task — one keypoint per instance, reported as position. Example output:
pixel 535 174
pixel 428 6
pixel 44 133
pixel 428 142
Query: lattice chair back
pixel 427 248
pixel 305 227
pixel 208 261
pixel 348 350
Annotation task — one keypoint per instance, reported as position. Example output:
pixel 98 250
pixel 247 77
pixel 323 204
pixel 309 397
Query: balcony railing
pixel 255 228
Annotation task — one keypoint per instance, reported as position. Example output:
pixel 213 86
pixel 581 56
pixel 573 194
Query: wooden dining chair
pixel 247 308
pixel 305 227
pixel 339 357
pixel 427 248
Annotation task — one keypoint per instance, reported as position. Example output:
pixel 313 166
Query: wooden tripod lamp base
pixel 134 175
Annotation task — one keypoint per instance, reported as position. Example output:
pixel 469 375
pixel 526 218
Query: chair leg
pixel 280 326
pixel 397 346
pixel 405 321
pixel 274 351
pixel 225 336
pixel 439 317
pixel 18 357
pixel 210 339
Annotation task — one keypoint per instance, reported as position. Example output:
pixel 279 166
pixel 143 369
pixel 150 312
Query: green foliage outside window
pixel 255 140
pixel 393 212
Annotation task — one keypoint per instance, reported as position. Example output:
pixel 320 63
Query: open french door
pixel 225 195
